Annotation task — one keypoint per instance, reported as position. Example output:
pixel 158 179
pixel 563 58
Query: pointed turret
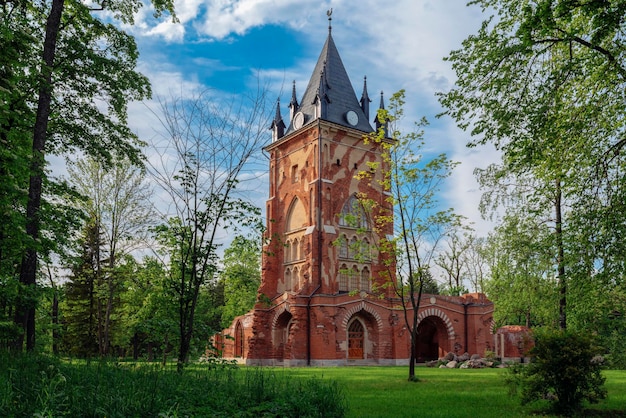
pixel 379 124
pixel 293 104
pixel 278 126
pixel 331 83
pixel 365 100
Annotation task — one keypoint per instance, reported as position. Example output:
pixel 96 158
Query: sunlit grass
pixel 386 392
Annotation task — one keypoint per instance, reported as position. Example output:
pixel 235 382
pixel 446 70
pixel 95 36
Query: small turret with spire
pixel 293 104
pixel 365 100
pixel 278 126
pixel 381 124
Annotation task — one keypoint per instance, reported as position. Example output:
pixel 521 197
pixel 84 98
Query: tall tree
pixel 80 306
pixel 117 199
pixel 453 261
pixel 539 81
pixel 522 284
pixel 84 62
pixel 207 145
pixel 419 225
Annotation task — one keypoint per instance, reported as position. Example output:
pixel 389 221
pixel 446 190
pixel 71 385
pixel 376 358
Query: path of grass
pixel 450 393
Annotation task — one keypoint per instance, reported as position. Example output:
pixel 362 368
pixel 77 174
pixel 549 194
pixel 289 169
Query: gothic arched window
pixel 344 273
pixel 343 247
pixel 353 215
pixel 294 250
pixel 354 278
pixel 365 279
pixel 353 248
pixel 287 252
pixel 287 279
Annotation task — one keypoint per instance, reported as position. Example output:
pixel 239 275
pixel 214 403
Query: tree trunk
pixel 55 323
pixel 560 257
pixel 25 314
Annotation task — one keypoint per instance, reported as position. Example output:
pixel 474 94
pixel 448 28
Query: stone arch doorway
pixel 432 339
pixel 280 333
pixel 239 340
pixel 362 334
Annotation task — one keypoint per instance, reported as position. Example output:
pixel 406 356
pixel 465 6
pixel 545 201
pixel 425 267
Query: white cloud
pixel 400 44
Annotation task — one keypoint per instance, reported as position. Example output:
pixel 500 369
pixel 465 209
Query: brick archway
pixel 432 339
pixel 280 333
pixel 439 314
pixel 362 307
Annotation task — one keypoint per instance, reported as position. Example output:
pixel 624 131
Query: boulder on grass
pixel 451 364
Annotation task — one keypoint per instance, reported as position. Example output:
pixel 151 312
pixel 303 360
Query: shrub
pixel 564 369
pixel 616 343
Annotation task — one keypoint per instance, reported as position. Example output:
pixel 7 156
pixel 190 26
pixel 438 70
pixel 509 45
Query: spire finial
pixel 329 13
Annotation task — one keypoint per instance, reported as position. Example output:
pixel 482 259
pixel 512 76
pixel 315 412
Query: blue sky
pixel 227 45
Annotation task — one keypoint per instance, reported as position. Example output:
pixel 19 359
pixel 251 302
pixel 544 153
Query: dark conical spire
pixel 365 100
pixel 278 126
pixel 330 83
pixel 293 104
pixel 384 125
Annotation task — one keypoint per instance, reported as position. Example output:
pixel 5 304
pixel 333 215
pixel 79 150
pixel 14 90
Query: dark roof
pixel 330 84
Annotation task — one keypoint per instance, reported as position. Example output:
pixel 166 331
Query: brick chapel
pixel 317 303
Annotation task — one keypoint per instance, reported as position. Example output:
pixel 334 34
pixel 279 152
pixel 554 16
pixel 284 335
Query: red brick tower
pixel 319 300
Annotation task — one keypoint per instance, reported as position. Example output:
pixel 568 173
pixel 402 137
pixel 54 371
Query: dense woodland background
pixel 124 256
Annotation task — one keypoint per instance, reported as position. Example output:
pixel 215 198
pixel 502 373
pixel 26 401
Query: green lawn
pixel 385 392
pixel 34 385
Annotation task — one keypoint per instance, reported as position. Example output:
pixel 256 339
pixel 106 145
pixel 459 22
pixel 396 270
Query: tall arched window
pixel 353 248
pixel 366 251
pixel 295 246
pixel 343 247
pixel 353 215
pixel 295 279
pixel 343 278
pixel 365 279
pixel 354 278
pixel 287 252
pixel 287 279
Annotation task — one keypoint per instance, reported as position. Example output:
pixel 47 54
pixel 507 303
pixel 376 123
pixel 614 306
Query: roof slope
pixel 329 94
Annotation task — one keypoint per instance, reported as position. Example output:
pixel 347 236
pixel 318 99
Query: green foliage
pixel 565 369
pixel 207 144
pixel 66 78
pixel 543 82
pixel 45 386
pixel 408 223
pixel 241 276
pixel 521 283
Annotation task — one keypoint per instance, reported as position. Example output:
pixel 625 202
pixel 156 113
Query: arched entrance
pixel 356 340
pixel 238 340
pixel 280 333
pixel 432 339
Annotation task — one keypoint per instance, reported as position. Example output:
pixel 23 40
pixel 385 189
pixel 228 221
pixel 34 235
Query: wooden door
pixel 355 340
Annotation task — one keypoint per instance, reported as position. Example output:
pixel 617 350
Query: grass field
pixel 385 392
pixel 33 385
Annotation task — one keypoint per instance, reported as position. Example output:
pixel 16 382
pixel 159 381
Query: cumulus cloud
pixel 398 45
